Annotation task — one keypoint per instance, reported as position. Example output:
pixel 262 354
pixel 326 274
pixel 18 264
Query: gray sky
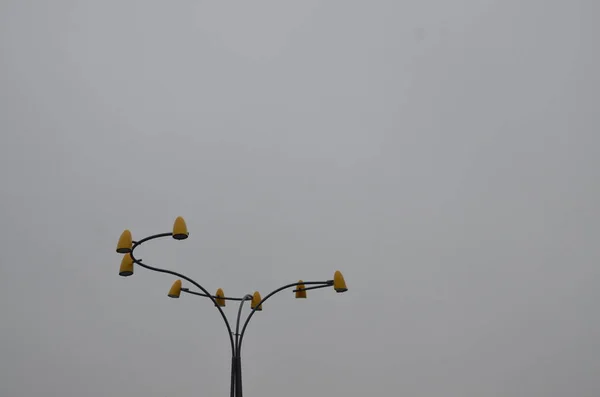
pixel 443 155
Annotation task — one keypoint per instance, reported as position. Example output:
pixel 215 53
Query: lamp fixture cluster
pixel 126 245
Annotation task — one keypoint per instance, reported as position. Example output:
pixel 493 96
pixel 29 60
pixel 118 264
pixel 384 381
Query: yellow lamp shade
pixel 300 292
pixel 255 301
pixel 175 289
pixel 339 284
pixel 220 297
pixel 126 268
pixel 125 242
pixel 180 231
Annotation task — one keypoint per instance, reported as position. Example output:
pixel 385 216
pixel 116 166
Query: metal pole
pixel 233 375
pixel 237 358
pixel 238 378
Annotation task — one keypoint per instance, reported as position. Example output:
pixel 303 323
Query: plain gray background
pixel 442 154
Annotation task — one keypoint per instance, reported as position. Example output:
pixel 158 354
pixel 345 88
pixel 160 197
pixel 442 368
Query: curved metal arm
pixel 227 298
pixel 237 323
pixel 324 283
pixel 156 269
pixel 311 288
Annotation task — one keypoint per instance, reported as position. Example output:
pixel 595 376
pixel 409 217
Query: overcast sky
pixel 444 155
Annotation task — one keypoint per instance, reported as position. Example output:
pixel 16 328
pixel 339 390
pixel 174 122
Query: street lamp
pixel 127 246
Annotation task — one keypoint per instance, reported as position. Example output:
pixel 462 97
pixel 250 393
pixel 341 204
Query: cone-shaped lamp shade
pixel 126 268
pixel 255 301
pixel 339 284
pixel 175 289
pixel 300 292
pixel 180 231
pixel 220 297
pixel 125 243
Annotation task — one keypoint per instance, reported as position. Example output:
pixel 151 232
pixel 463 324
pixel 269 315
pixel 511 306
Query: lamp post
pixel 127 246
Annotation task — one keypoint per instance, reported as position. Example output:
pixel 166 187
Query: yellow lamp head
pixel 339 284
pixel 175 289
pixel 126 268
pixel 220 297
pixel 300 292
pixel 180 231
pixel 125 243
pixel 255 301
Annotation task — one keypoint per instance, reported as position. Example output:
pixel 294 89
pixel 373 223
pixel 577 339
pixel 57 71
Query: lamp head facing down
pixel 220 297
pixel 125 242
pixel 126 268
pixel 175 290
pixel 339 284
pixel 300 291
pixel 180 231
pixel 255 301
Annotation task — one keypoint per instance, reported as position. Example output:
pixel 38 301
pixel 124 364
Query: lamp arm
pixel 227 298
pixel 237 324
pixel 323 283
pixel 156 269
